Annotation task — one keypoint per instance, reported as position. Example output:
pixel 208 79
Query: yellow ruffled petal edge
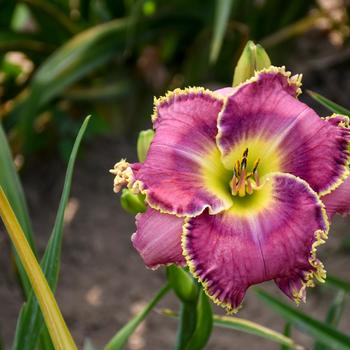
pixel 124 176
pixel 317 270
pixel 170 95
pixel 190 263
pixel 346 172
pixel 294 80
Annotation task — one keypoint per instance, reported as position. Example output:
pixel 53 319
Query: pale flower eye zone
pixel 233 184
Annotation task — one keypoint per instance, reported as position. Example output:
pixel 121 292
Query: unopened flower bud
pixel 143 142
pixel 253 58
pixel 182 282
pixel 132 203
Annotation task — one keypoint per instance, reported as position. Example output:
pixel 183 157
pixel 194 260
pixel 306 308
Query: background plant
pixel 61 60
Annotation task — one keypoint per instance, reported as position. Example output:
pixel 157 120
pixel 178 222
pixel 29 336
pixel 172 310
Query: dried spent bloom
pixel 234 181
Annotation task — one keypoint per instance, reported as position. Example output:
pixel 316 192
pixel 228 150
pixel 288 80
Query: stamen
pixel 243 181
pixel 256 164
pixel 249 186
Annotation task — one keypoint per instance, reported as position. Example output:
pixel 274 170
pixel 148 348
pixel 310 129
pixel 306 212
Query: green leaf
pixel 332 106
pixel 338 283
pixel 71 62
pixel 246 326
pixel 187 324
pixel 30 320
pixel 320 331
pixel 286 332
pixel 250 327
pixel 11 184
pixel 184 286
pixel 122 336
pixel 24 42
pixel 204 324
pixel 51 17
pixel 222 15
pixel 333 316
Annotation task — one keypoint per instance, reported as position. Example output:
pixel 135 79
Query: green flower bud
pixel 185 287
pixel 132 203
pixel 253 58
pixel 143 142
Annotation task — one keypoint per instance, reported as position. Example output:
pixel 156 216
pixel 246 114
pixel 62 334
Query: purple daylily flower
pixel 234 182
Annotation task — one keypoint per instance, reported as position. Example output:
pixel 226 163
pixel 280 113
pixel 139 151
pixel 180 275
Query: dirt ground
pixel 103 281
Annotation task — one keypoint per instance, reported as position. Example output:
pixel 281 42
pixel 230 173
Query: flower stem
pixel 60 335
pixel 187 324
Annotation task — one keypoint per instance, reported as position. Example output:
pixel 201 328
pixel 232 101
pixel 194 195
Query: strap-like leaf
pixel 222 15
pixel 338 283
pixel 332 106
pixel 11 185
pixel 319 330
pixel 72 61
pixel 56 325
pixel 122 336
pixel 246 326
pixel 204 324
pixel 30 321
pixel 333 317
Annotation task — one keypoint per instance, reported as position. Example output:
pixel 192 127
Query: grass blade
pixel 338 283
pixel 250 327
pixel 30 320
pixel 120 339
pixel 332 106
pixel 222 15
pixel 246 326
pixel 11 185
pixel 319 330
pixel 59 332
pixel 287 333
pixel 333 316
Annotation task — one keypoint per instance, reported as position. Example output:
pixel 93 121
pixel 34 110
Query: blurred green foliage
pixel 61 60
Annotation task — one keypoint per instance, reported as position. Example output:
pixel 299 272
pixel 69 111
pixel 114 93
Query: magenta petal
pixel 338 201
pixel 235 249
pixel 182 151
pixel 158 238
pixel 287 136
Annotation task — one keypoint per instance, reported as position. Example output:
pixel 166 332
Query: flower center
pixel 244 181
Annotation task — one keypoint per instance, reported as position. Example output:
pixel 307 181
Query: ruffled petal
pixel 338 201
pixel 271 237
pixel 158 238
pixel 182 173
pixel 264 116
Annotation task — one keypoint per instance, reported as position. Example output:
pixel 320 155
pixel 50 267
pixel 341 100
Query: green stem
pixel 121 337
pixel 60 335
pixel 187 324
